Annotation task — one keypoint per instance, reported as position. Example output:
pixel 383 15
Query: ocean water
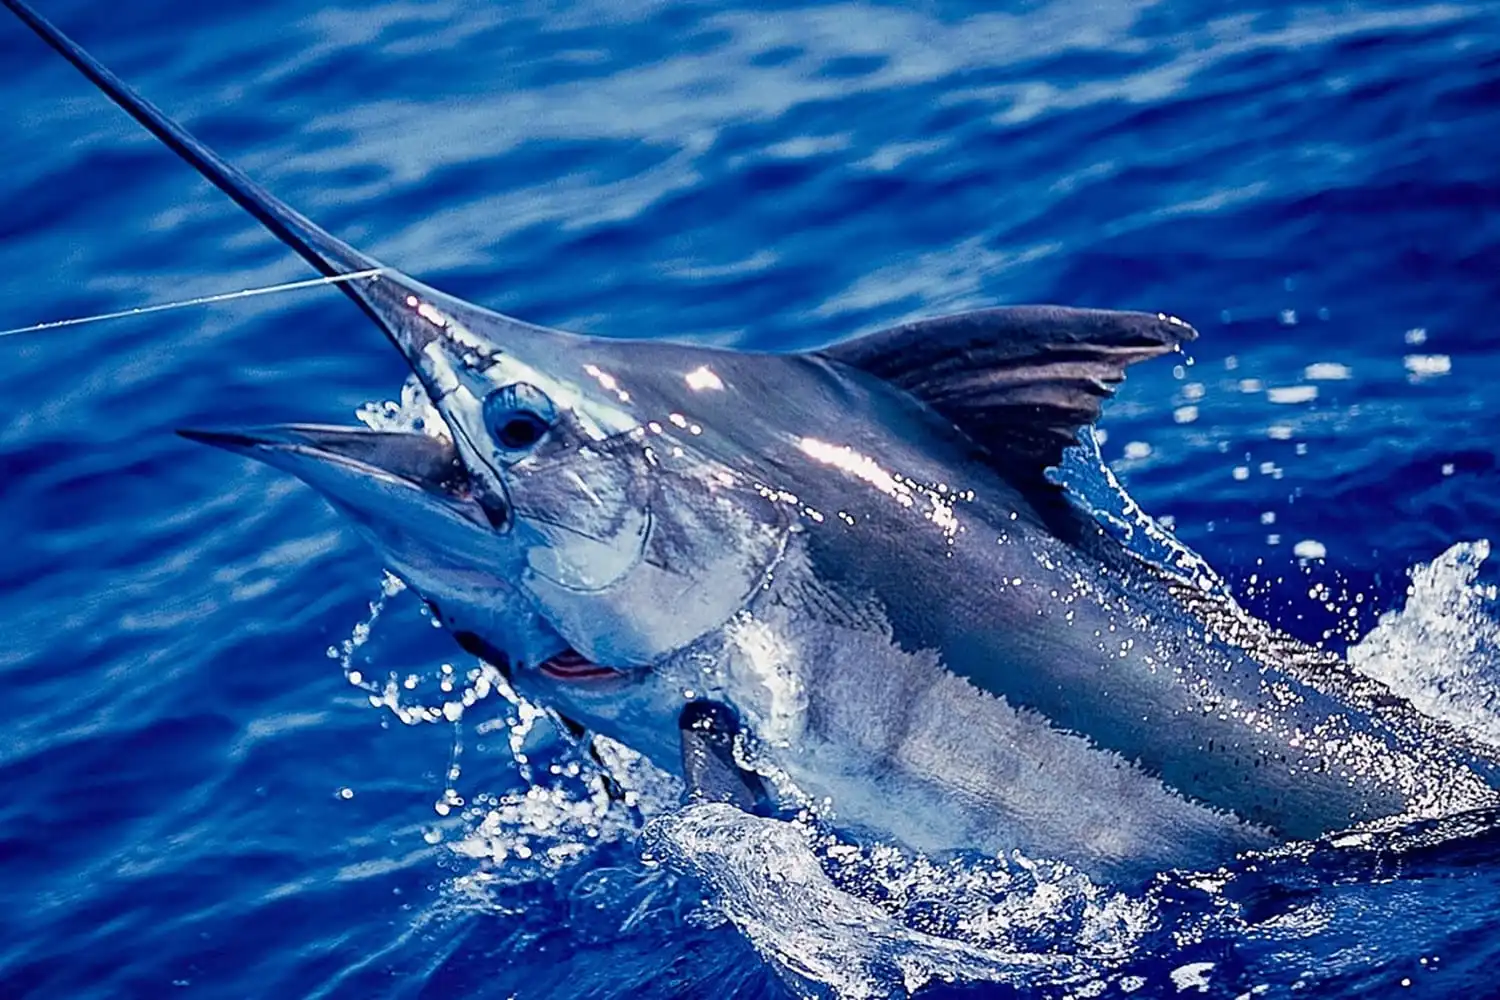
pixel 226 766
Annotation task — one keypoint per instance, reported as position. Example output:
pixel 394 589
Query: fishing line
pixel 202 300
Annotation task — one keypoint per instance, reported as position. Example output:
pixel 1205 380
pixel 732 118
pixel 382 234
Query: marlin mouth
pixel 568 665
pixel 571 665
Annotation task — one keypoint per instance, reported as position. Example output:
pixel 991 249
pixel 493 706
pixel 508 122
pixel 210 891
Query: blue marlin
pixel 858 550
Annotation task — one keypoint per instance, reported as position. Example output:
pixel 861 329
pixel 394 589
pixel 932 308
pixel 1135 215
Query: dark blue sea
pixel 196 801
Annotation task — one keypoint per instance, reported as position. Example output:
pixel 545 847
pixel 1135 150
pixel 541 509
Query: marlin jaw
pixel 341 458
pixel 381 479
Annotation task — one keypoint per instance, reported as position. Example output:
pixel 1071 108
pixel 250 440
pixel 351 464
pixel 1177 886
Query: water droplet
pixel 1309 549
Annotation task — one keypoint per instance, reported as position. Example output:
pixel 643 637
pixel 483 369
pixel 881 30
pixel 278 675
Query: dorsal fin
pixel 1018 381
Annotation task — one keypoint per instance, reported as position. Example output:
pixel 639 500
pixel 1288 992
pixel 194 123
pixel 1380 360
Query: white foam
pixel 1326 371
pixel 764 877
pixel 1428 365
pixel 1442 650
pixel 1309 548
pixel 1193 976
pixel 413 412
pixel 1292 394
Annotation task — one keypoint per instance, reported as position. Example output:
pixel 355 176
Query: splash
pixel 412 412
pixel 1012 904
pixel 1442 650
pixel 1094 485
pixel 764 877
pixel 563 798
pixel 461 693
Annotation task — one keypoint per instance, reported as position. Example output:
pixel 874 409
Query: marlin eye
pixel 518 416
pixel 521 431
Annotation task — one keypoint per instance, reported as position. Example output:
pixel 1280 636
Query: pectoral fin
pixel 708 730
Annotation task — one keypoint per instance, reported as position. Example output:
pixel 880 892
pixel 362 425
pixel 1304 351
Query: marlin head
pixel 546 480
pixel 565 527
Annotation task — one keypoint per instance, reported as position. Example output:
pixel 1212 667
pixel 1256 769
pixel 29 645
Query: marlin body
pixel 859 552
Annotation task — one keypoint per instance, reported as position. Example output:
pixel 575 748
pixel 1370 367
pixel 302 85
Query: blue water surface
pixel 194 799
